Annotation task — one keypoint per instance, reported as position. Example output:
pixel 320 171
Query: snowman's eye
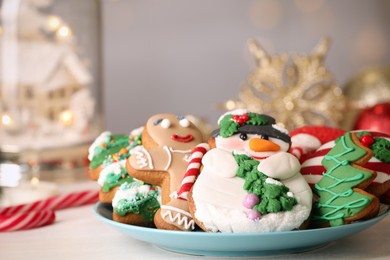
pixel 165 123
pixel 243 136
pixel 184 122
pixel 265 137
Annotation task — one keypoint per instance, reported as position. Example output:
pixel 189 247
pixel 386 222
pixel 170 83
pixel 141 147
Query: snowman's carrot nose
pixel 262 145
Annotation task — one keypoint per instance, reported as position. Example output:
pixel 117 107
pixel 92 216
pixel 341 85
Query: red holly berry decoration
pixel 366 140
pixel 241 119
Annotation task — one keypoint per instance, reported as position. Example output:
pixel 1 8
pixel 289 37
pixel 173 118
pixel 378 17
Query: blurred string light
pixel 64 32
pixel 53 23
pixel 66 117
pixel 6 120
pixel 61 29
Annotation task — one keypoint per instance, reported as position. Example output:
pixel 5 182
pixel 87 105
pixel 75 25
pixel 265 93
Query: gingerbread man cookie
pixel 168 141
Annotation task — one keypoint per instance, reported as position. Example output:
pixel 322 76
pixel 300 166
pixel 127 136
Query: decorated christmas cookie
pixel 307 139
pixel 378 162
pixel 109 148
pixel 249 182
pixel 110 178
pixel 136 203
pixel 343 196
pixel 168 141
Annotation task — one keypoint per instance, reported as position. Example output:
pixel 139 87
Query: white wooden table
pixel 77 234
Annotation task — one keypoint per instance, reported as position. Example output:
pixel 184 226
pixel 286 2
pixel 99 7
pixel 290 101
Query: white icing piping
pixel 173 195
pixel 184 220
pixel 141 160
pixel 179 151
pixel 168 149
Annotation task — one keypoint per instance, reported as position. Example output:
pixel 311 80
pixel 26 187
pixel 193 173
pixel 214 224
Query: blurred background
pixel 187 57
pixel 72 69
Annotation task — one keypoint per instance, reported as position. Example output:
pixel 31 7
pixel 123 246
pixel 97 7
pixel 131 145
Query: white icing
pixel 129 191
pixel 180 151
pixel 280 166
pixel 301 190
pixel 170 150
pixel 381 177
pixel 181 217
pixel 144 188
pixel 165 123
pixel 218 199
pixel 273 181
pixel 136 132
pixel 220 162
pixel 229 220
pixel 308 143
pixel 167 150
pixel 211 183
pixel 115 168
pixel 280 128
pixel 327 145
pixel 312 178
pixel 312 161
pixel 184 122
pixel 101 139
pixel 142 156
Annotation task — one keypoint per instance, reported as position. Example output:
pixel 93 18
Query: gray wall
pixel 185 57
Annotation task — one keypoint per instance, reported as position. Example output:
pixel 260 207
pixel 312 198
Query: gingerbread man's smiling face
pixel 174 131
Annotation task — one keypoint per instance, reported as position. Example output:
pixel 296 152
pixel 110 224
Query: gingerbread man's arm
pixel 155 159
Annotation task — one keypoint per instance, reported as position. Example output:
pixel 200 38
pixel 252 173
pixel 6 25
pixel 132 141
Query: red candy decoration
pixel 367 140
pixel 241 119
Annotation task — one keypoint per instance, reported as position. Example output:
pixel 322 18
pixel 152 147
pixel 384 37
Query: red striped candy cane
pixel 41 212
pixel 73 199
pixel 193 170
pixel 25 221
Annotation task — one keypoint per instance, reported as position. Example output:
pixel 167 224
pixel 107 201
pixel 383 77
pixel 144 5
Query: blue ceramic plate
pixel 236 244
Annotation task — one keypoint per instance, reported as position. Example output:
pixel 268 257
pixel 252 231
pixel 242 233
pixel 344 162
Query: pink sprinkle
pixel 253 215
pixel 250 200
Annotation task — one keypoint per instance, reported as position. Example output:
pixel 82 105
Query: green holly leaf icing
pixel 256 119
pixel 337 199
pixel 381 149
pixel 228 127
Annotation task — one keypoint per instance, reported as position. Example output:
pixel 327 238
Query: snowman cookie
pixel 168 141
pixel 249 181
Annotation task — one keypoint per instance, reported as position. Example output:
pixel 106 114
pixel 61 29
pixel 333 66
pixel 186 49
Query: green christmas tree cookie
pixel 341 195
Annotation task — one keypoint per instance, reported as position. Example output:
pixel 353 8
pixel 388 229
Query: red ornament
pixel 367 140
pixel 376 118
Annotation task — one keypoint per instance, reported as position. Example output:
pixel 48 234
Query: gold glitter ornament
pixel 365 90
pixel 295 89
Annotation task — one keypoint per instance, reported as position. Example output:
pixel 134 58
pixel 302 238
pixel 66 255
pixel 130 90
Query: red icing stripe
pixel 313 170
pixel 196 158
